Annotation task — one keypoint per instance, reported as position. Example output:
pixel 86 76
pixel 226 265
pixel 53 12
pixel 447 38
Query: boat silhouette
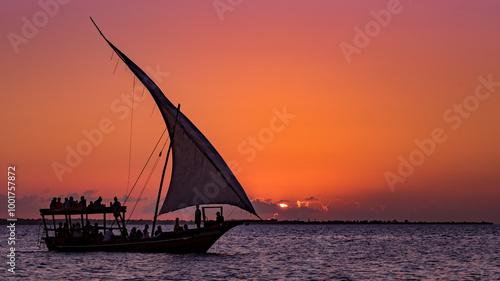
pixel 200 176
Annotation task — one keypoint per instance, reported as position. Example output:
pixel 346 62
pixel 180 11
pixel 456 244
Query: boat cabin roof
pixel 81 210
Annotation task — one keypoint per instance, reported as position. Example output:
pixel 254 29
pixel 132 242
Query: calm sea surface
pixel 279 252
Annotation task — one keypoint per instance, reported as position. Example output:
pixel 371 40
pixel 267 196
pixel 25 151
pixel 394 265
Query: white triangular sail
pixel 199 174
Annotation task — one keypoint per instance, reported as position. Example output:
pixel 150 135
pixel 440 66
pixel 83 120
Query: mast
pixel 164 168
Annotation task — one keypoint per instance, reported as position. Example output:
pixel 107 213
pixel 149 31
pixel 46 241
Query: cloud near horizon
pixel 311 208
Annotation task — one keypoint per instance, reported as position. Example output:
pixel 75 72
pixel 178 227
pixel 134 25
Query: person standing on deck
pixel 116 207
pixel 197 216
pixel 220 218
pixel 176 226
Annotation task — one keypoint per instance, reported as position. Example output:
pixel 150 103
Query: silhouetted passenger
pixel 186 227
pixel 66 203
pixel 59 204
pixel 108 235
pixel 83 202
pixel 53 203
pixel 77 231
pixel 146 231
pixel 87 229
pixel 116 207
pixel 116 204
pixel 98 202
pixel 133 233
pixel 71 202
pixel 65 231
pixel 94 233
pixel 138 234
pixel 158 231
pixel 219 218
pixel 176 226
pixel 59 230
pixel 197 216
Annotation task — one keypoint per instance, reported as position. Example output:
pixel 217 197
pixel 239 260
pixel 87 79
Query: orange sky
pixel 237 70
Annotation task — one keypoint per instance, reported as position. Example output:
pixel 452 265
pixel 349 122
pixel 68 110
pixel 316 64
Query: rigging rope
pixel 143 168
pixel 115 67
pixel 152 111
pixel 144 187
pixel 231 213
pixel 147 180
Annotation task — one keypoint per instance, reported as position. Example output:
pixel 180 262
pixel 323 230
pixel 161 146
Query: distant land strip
pixel 168 222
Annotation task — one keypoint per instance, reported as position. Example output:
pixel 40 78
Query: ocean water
pixel 283 252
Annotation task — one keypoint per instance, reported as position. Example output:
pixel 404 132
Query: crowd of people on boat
pixel 138 234
pixel 92 232
pixel 68 203
pixel 77 231
pixel 56 203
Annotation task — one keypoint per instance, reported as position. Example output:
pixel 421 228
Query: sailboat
pixel 199 177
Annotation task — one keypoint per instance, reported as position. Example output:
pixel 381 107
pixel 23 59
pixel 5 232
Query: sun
pixel 283 205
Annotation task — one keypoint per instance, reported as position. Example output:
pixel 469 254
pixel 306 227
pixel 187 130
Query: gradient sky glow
pixel 235 70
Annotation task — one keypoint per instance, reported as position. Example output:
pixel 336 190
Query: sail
pixel 199 174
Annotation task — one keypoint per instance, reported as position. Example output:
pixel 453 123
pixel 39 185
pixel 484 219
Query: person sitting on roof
pixel 98 202
pixel 83 202
pixel 72 202
pixel 53 203
pixel 116 205
pixel 59 204
pixel 66 204
pixel 176 226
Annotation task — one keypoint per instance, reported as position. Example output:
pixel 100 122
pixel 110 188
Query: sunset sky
pixel 342 110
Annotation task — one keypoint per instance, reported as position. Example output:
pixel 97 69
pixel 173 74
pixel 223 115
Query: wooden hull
pixel 186 241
